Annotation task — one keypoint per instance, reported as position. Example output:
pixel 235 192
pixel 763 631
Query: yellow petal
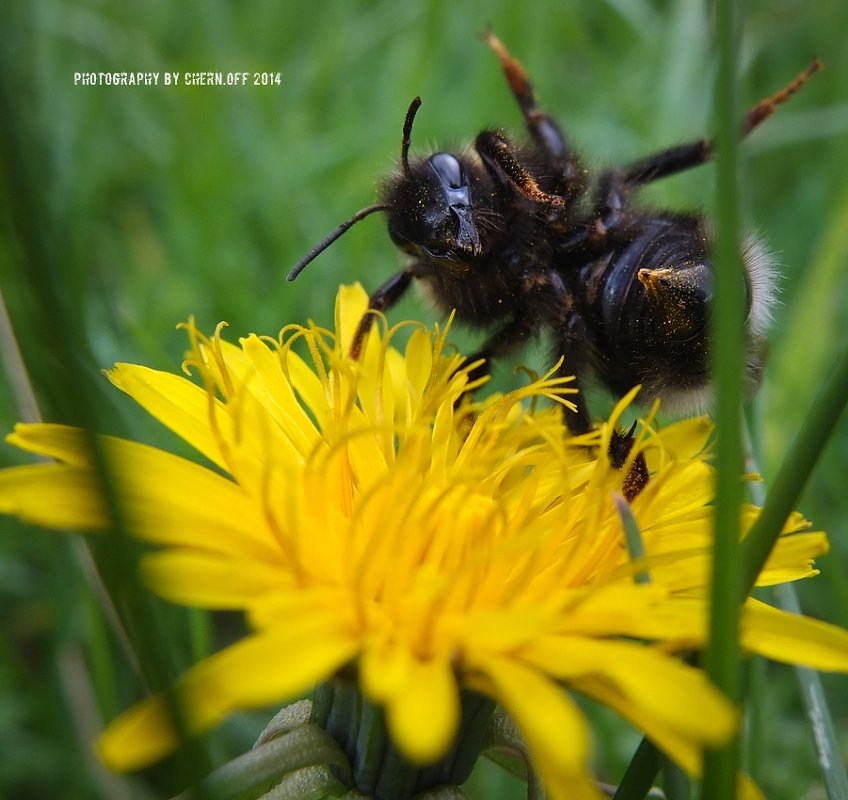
pixel 500 630
pixel 205 580
pixel 164 498
pixel 419 360
pixel 681 490
pixel 746 789
pixel 423 715
pixel 685 439
pixel 674 704
pixel 277 396
pixel 792 638
pixel 292 601
pixel 642 613
pixel 170 500
pixel 688 755
pixel 54 495
pixel 676 695
pixel 792 558
pixel 177 403
pixel 269 667
pixel 309 388
pixel 351 304
pixel 384 669
pixel 550 723
pixel 61 442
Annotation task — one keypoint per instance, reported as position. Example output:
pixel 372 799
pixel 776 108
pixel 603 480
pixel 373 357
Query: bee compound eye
pixel 449 170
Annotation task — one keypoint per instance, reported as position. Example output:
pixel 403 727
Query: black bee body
pixel 628 341
pixel 517 265
pixel 518 241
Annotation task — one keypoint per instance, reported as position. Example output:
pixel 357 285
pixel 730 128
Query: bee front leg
pixel 503 163
pixel 511 337
pixel 379 302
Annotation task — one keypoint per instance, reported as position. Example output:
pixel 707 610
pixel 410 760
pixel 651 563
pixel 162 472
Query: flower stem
pixel 379 769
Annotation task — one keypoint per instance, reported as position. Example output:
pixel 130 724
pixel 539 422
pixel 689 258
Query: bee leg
pixel 502 162
pixel 578 421
pixel 615 184
pixel 637 476
pixel 667 162
pixel 685 156
pixel 569 345
pixel 511 337
pixel 382 300
pixel 545 132
pixel 768 105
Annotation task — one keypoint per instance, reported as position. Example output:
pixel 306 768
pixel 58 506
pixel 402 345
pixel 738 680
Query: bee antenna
pixel 407 131
pixel 328 240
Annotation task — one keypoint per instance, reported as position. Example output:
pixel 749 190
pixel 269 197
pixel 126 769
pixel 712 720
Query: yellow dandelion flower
pixel 367 524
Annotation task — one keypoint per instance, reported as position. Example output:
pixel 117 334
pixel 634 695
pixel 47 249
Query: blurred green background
pixel 132 208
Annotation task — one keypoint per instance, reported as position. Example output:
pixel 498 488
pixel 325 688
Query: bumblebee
pixel 518 240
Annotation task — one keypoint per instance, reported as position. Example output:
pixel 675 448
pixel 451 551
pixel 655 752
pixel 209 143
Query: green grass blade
pixel 640 774
pixel 797 466
pixel 812 692
pixel 721 658
pixel 818 712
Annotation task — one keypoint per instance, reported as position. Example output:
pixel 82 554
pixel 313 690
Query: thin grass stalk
pixel 13 366
pixel 809 681
pixel 641 772
pixel 796 468
pixel 78 686
pixel 818 713
pixel 757 689
pixel 721 658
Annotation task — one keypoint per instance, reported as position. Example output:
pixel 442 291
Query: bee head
pixel 430 210
pixel 428 204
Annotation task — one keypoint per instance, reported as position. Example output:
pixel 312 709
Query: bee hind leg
pixel 686 156
pixel 569 344
pixel 614 185
pixel 545 132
